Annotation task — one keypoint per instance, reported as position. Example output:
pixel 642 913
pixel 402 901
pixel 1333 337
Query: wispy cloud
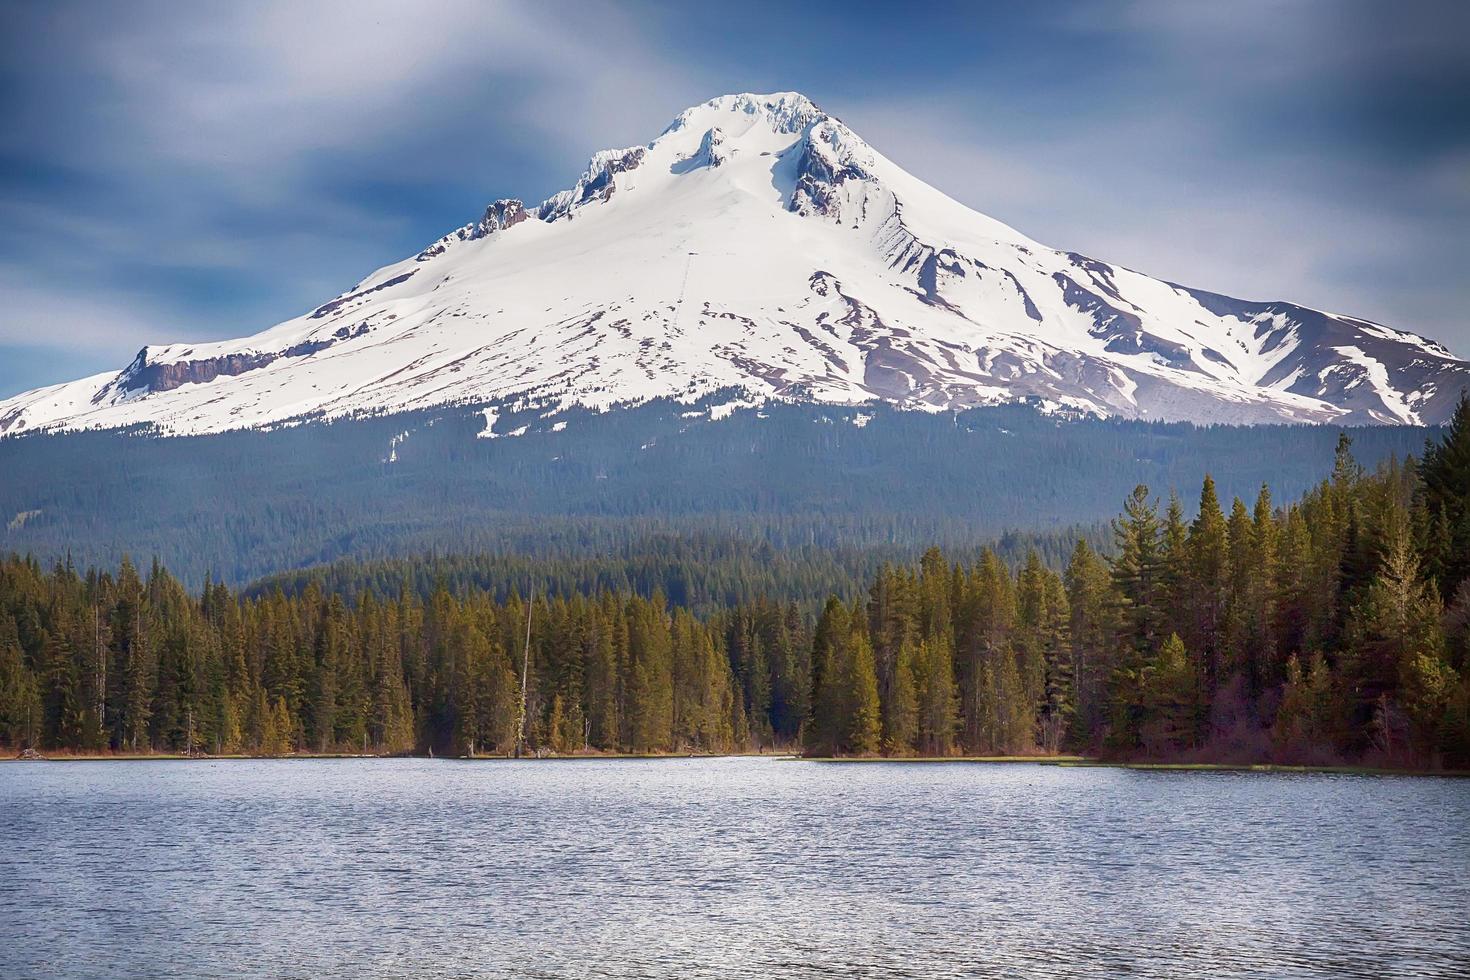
pixel 51 320
pixel 220 166
pixel 201 170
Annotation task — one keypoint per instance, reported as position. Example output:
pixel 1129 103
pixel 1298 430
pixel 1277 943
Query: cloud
pixel 242 161
pixel 253 94
pixel 190 171
pixel 47 319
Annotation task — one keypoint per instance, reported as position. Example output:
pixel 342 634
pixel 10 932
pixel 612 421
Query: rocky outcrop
pixel 337 304
pixel 164 377
pixel 597 183
pixel 143 375
pixel 821 170
pixel 712 153
pixel 500 215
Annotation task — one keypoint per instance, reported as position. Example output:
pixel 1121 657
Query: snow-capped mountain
pixel 759 243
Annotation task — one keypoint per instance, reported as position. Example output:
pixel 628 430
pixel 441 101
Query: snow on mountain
pixel 759 243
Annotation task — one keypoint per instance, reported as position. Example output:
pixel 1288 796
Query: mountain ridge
pixel 759 243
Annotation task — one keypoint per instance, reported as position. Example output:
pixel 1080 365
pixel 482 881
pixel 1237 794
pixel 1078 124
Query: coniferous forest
pixel 828 479
pixel 1333 628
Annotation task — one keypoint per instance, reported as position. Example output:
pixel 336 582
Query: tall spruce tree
pixel 1137 571
pixel 1445 497
pixel 1093 617
pixel 1208 567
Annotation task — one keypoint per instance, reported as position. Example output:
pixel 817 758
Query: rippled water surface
pixel 726 867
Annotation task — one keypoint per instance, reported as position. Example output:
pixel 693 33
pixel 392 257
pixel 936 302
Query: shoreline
pixel 1061 761
pixel 1088 762
pixel 319 756
pixel 1268 767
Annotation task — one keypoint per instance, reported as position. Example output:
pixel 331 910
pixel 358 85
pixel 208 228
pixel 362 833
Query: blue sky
pixel 182 171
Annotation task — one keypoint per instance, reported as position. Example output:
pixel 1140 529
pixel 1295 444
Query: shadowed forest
pixel 1334 628
pixel 832 487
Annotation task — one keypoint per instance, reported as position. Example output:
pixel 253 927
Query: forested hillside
pixel 1335 627
pixel 699 572
pixel 241 505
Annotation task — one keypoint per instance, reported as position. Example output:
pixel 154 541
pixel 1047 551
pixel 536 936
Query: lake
pixel 741 867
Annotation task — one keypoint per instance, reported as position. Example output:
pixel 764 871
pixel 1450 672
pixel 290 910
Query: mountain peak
pixel 780 114
pixel 783 112
pixel 760 244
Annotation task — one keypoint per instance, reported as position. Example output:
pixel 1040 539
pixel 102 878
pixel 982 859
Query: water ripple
pixel 725 868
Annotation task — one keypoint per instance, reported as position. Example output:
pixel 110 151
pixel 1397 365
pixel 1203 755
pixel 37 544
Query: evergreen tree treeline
pixel 1336 628
pixel 794 477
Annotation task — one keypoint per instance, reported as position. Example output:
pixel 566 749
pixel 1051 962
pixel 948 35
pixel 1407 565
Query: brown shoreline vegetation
pixel 1332 632
pixel 1060 761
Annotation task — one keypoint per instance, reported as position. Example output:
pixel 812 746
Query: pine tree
pixel 1237 638
pixel 61 719
pixel 651 692
pixel 1429 689
pixel 893 621
pixel 1137 579
pixel 829 667
pixel 1303 727
pixel 556 726
pixel 20 696
pixel 1137 571
pixel 701 687
pixel 1014 710
pixel 790 670
pixel 1174 562
pixel 936 697
pixel 983 630
pixel 1032 625
pixel 1444 494
pixel 1092 607
pixel 1208 565
pixel 1293 584
pixel 1056 706
pixel 864 725
pixel 1395 624
pixel 1264 668
pixel 847 712
pixel 1170 694
pixel 322 685
pixel 600 660
pixel 278 731
pixel 901 707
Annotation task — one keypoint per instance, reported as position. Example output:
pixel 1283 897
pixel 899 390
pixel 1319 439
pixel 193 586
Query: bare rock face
pixel 711 154
pixel 148 376
pixel 499 216
pixel 502 214
pixel 824 167
pixel 167 376
pixel 597 183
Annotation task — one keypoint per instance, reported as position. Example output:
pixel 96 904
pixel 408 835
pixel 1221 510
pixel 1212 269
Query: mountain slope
pixel 759 243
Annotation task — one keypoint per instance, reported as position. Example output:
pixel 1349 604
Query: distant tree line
pixel 1336 628
pixel 241 505
pixel 699 571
